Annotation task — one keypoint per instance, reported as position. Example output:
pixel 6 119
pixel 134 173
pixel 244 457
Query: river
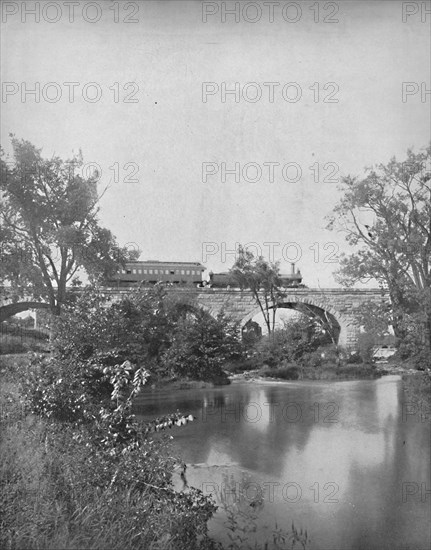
pixel 348 461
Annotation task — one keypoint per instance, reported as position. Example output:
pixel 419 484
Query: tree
pixel 49 226
pixel 387 216
pixel 201 345
pixel 104 457
pixel 263 279
pixel 138 328
pixel 299 335
pixel 326 322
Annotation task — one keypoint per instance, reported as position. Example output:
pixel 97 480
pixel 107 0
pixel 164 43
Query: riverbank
pixel 49 478
pixel 64 485
pixel 282 375
pixel 184 384
pixel 326 366
pixel 293 371
pixel 13 363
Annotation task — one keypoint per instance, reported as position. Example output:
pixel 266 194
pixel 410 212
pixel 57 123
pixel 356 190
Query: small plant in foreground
pixel 242 516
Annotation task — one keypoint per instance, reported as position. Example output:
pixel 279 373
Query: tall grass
pixel 59 491
pixel 49 501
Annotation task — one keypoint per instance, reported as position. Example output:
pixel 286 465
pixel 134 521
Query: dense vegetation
pixel 303 349
pixel 167 334
pixel 17 335
pixel 49 227
pixel 78 470
pixel 386 218
pixel 97 481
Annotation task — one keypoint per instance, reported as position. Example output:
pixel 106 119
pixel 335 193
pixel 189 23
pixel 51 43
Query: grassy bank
pixel 174 384
pixel 52 499
pixel 326 370
pixel 23 341
pixel 321 372
pixel 59 490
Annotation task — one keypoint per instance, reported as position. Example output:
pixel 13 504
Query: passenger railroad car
pixel 154 271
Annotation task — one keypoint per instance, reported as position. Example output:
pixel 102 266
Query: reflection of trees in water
pixel 363 453
pixel 264 444
pixel 385 451
pixel 224 427
pixel 259 445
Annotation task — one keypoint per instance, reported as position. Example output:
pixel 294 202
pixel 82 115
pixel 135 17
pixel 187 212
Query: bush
pixel 354 358
pixel 242 365
pixel 422 359
pixel 296 339
pixel 323 356
pixel 366 343
pixel 105 481
pixel 286 372
pixel 319 373
pixel 312 359
pixel 360 371
pixel 109 483
pixel 60 491
pixel 201 347
pixel 12 345
pixel 167 336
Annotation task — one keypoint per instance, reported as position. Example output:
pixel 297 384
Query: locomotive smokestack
pixel 293 268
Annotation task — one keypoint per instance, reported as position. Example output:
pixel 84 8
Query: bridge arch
pixel 18 307
pixel 341 325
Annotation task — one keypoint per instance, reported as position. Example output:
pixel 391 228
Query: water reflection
pixel 332 457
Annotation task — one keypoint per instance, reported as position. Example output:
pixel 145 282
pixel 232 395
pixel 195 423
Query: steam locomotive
pixel 227 280
pixel 185 274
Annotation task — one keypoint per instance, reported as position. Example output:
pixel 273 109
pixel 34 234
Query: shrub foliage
pixel 97 460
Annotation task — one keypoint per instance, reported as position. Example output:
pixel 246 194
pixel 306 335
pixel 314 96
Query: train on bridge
pixel 153 272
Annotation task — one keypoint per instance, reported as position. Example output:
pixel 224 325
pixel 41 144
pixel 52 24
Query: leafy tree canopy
pixel 263 279
pixel 201 346
pixel 386 216
pixel 49 227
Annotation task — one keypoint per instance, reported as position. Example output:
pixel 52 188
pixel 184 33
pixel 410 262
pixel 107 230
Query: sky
pixel 149 110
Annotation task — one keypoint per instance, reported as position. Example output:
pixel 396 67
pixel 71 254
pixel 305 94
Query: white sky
pixel 170 213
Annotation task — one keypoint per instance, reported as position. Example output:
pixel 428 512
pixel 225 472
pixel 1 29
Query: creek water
pixel 348 461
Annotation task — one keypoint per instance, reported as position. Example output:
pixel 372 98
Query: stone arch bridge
pixel 335 307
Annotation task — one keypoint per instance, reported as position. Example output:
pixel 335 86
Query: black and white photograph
pixel 215 275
